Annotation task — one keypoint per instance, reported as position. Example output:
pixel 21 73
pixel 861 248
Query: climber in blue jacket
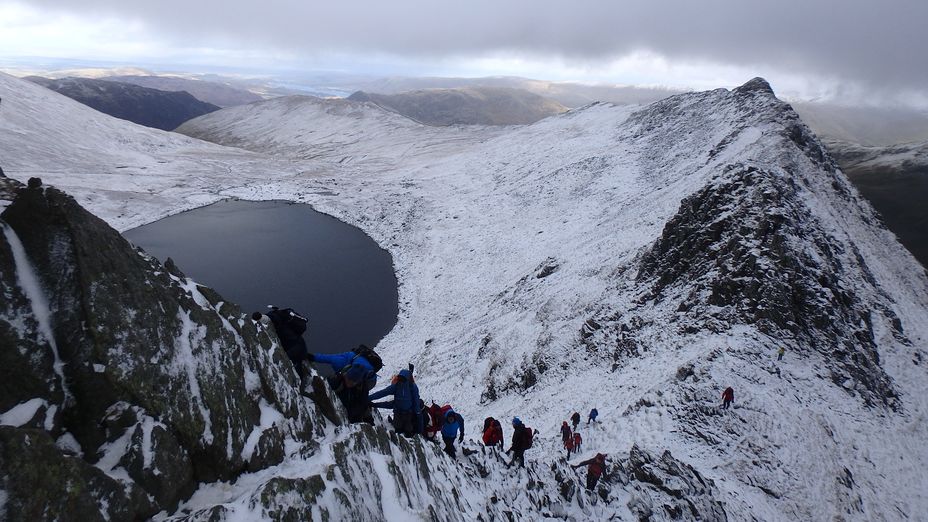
pixel 355 375
pixel 407 417
pixel 453 426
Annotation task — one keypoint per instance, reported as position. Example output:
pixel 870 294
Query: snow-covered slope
pixel 130 173
pixel 343 133
pixel 638 260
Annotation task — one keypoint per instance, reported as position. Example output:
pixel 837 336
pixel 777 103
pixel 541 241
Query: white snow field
pixel 507 241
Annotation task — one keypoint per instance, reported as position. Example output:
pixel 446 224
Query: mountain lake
pixel 260 253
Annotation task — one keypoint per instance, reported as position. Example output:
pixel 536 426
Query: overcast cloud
pixel 869 45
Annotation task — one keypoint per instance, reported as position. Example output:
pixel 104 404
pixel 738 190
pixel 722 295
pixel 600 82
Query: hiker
pixel 728 397
pixel 452 426
pixel 436 419
pixel 578 441
pixel 569 446
pixel 595 469
pixel 522 437
pixel 426 419
pixel 780 353
pixel 355 375
pixel 565 432
pixel 575 419
pixel 592 417
pixel 290 327
pixel 492 432
pixel 405 404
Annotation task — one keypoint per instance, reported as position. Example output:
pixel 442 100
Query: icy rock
pixel 43 484
pixel 677 487
pixel 172 404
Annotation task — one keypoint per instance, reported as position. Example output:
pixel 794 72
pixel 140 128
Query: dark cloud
pixel 879 44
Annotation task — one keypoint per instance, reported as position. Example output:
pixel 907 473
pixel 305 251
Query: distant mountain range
pixel 150 107
pixel 213 92
pixel 467 106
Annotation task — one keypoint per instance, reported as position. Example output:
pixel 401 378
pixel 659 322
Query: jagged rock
pixel 748 252
pixel 40 483
pixel 159 386
pixel 677 487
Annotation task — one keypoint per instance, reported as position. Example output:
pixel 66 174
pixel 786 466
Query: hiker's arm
pixel 461 435
pixel 389 390
pixel 586 462
pixel 336 360
pixel 386 405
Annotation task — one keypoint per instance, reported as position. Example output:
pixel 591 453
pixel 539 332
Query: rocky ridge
pixel 127 388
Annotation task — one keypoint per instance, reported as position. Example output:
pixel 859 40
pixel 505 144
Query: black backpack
pixel 371 356
pixel 296 322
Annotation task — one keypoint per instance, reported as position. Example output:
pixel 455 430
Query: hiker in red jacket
pixel 728 397
pixel 597 466
pixel 569 446
pixel 578 441
pixel 565 432
pixel 492 432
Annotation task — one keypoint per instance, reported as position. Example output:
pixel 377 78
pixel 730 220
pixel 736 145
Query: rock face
pixel 163 110
pixel 151 379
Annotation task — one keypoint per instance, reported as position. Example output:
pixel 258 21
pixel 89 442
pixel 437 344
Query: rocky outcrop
pixel 155 382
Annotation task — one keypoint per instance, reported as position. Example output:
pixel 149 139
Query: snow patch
pixel 192 333
pixel 269 417
pixel 22 412
pixel 393 509
pixel 30 285
pixel 68 444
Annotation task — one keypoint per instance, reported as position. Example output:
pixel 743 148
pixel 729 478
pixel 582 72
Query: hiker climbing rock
pixel 436 420
pixel 780 353
pixel 290 327
pixel 355 375
pixel 492 432
pixel 575 419
pixel 452 426
pixel 592 417
pixel 728 397
pixel 522 437
pixel 578 441
pixel 596 466
pixel 565 432
pixel 407 418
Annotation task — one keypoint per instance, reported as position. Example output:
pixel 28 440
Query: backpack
pixel 288 323
pixel 528 434
pixel 371 356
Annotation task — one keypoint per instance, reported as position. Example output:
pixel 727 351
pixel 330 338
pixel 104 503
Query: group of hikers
pixel 570 436
pixel 355 376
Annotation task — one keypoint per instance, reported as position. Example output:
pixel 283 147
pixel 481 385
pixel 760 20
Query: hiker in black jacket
pixel 289 326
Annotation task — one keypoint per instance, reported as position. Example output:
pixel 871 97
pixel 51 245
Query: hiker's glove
pixel 310 357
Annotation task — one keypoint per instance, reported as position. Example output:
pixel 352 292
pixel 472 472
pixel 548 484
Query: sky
pixel 851 50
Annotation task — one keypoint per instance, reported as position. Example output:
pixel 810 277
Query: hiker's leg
pixel 449 446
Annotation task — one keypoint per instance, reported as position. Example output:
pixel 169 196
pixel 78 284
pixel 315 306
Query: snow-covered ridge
pixel 342 132
pixel 529 259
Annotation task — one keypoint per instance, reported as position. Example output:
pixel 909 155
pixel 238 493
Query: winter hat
pixel 516 421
